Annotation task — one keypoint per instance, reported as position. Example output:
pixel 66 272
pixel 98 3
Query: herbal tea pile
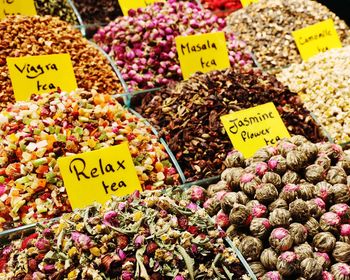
pixel 187 115
pixel 57 8
pixel 143 236
pixel 35 134
pixel 289 208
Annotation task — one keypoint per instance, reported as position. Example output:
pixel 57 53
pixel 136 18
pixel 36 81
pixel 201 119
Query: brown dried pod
pixel 240 215
pixel 323 190
pixel 344 163
pixel 323 161
pixel 317 207
pixel 290 177
pixel 289 192
pixel 310 150
pixel 287 264
pixel 215 188
pixel 314 173
pixel 232 176
pixel 311 269
pixel 266 193
pixel 299 210
pixel 280 218
pixel 277 164
pixel 306 191
pixel 296 160
pixel 341 271
pixel 324 242
pixel 278 203
pixel 298 233
pixel 272 275
pixel 269 258
pixel 257 268
pixel 298 140
pixel 340 193
pixel 280 239
pixel 312 226
pixel 251 248
pixel 234 159
pixel 330 221
pixel 272 178
pixel 248 183
pixel 323 259
pixel 303 251
pixel 259 227
pixel 341 252
pixel 336 175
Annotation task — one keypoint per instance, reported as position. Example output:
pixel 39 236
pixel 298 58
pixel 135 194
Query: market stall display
pixel 187 115
pixel 35 35
pixel 35 134
pixel 222 8
pixel 324 85
pixel 291 218
pixel 266 27
pixel 151 235
pixel 57 8
pixel 143 44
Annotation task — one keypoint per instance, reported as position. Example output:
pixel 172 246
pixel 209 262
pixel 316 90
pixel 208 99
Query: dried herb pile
pixel 33 135
pixel 289 207
pixel 188 114
pixel 57 8
pixel 143 236
pixel 266 27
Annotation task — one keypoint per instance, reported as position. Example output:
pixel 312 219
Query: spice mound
pixel 324 85
pixel 143 44
pixel 289 206
pixel 57 8
pixel 267 28
pixel 49 35
pixel 142 236
pixel 35 134
pixel 187 115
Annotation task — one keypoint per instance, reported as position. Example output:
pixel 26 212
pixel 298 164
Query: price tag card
pixel 99 175
pixel 17 7
pixel 316 38
pixel 246 3
pixel 254 128
pixel 202 53
pixel 40 74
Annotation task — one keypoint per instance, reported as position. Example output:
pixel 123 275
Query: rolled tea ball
pixel 314 173
pixel 333 151
pixel 341 271
pixel 341 209
pixel 285 147
pixel 330 221
pixel 296 160
pixel 271 275
pixel 272 178
pixel 259 210
pixel 215 188
pixel 240 215
pixel 234 159
pixel 345 233
pixel 303 251
pixel 197 193
pixel 326 275
pixel 323 190
pixel 289 192
pixel 269 258
pixel 264 154
pixel 232 176
pixel 324 242
pixel 280 239
pixel 261 168
pixel 340 193
pixel 306 190
pixel 298 233
pixel 278 203
pixel 280 218
pixel 298 140
pixel 290 177
pixel 251 248
pixel 313 227
pixel 323 259
pixel 310 150
pixel 311 269
pixel 287 264
pixel 277 164
pixel 317 207
pixel 266 193
pixel 324 161
pixel 336 175
pixel 249 182
pixel 229 199
pixel 212 206
pixel 341 252
pixel 299 210
pixel 257 268
pixel 344 163
pixel 259 227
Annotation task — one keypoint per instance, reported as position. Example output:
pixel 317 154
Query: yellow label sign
pixel 99 175
pixel 246 3
pixel 316 38
pixel 40 74
pixel 17 7
pixel 254 128
pixel 127 5
pixel 202 53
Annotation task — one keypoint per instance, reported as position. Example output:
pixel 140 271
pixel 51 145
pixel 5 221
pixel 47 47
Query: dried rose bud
pixel 277 164
pixel 324 242
pixel 179 277
pixel 261 169
pixel 313 227
pixel 269 258
pixel 127 275
pixel 287 263
pixel 251 248
pixel 310 268
pixel 290 177
pixel 340 271
pixel 280 218
pixel 109 218
pixel 330 221
pixel 139 240
pixel 345 233
pixel 192 206
pixel 327 276
pixel 280 239
pixel 323 259
pixel 299 210
pixel 341 252
pixel 266 193
pixel 82 240
pixel 259 210
pixel 196 193
pixel 151 248
pixel 303 251
pixel 43 244
pixel 32 264
pixel 298 233
pixel 222 220
pixel 259 227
